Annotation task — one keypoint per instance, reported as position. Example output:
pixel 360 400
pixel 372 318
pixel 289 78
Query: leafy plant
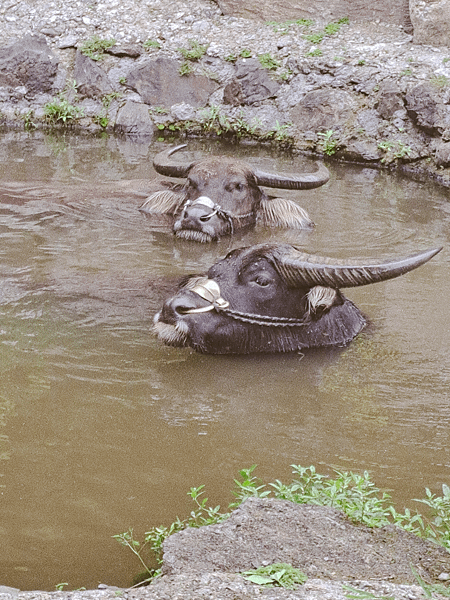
pixel 185 68
pixel 315 52
pixel 195 52
pixel 431 588
pixel 149 44
pixel 276 575
pixel 394 150
pixel 123 80
pixel 60 586
pixel 245 53
pixel 440 81
pixel 315 38
pixel 328 143
pixel 28 122
pixel 231 58
pixel 284 27
pixel 330 29
pixel 95 47
pixel 268 62
pixel 61 109
pixel 439 527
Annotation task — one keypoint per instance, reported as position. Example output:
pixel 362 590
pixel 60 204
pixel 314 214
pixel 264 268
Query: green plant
pixel 268 62
pixel 361 62
pixel 440 81
pixel 406 72
pixel 185 68
pixel 60 586
pixel 101 120
pixel 394 150
pixel 160 110
pixel 315 38
pixel 431 588
pixel 439 527
pixel 28 122
pixel 231 58
pixel 315 52
pixel 149 44
pixel 446 59
pixel 284 27
pixel 276 575
pixel 212 120
pixel 61 109
pixel 328 143
pixel 95 47
pixel 195 52
pixel 123 80
pixel 245 53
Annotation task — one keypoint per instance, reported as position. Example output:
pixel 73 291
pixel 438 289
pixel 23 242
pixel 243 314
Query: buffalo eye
pixel 263 280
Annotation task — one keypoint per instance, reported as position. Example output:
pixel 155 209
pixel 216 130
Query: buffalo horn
pixel 305 270
pixel 299 181
pixel 164 165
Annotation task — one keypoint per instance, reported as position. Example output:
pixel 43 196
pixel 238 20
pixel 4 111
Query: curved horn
pixel 300 181
pixel 305 270
pixel 165 166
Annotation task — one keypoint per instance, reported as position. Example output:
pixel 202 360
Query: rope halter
pixel 215 209
pixel 209 290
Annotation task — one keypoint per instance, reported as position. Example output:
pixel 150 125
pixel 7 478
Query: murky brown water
pixel 102 428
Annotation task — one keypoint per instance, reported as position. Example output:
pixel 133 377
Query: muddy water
pixel 102 428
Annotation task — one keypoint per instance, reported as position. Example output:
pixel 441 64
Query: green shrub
pixel 95 47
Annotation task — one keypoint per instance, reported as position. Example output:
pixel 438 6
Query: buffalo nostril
pixel 182 310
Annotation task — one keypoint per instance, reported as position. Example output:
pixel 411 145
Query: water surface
pixel 102 428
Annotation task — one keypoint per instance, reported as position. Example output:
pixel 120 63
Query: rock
pixel 251 84
pixel 134 119
pixel 443 154
pixel 427 109
pixel 389 99
pixel 131 50
pixel 431 21
pixel 159 84
pixel 319 10
pixel 91 79
pixel 30 63
pixel 323 109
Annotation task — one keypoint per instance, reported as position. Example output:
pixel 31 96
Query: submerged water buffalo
pixel 222 194
pixel 272 298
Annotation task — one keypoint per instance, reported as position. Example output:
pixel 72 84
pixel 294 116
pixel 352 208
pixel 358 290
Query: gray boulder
pixel 431 21
pixel 251 84
pixel 426 108
pixel 92 81
pixel 134 119
pixel 159 83
pixel 323 109
pixel 30 63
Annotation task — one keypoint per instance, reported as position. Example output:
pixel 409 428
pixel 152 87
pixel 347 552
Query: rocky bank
pixel 360 91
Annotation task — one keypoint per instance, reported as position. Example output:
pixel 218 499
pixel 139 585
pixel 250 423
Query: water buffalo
pixel 272 298
pixel 222 194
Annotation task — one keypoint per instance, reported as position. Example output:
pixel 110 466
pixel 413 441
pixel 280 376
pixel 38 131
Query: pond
pixel 103 428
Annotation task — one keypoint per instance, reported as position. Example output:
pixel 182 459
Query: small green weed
pixel 276 575
pixel 61 110
pixel 328 143
pixel 405 73
pixel 268 62
pixel 284 27
pixel 330 29
pixel 28 121
pixel 440 81
pixel 315 38
pixel 194 52
pixel 123 81
pixel 185 68
pixel 151 44
pixel 60 586
pixel 245 53
pixel 95 47
pixel 361 62
pixel 231 58
pixel 315 52
pixel 431 588
pixel 394 150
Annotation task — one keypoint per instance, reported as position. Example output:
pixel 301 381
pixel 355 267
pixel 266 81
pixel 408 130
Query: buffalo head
pixel 272 298
pixel 222 194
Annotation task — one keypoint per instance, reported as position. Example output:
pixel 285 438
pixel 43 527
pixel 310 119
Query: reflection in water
pixel 103 428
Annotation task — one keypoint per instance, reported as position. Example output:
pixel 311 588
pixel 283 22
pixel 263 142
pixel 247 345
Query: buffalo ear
pixel 320 299
pixel 163 202
pixel 279 212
